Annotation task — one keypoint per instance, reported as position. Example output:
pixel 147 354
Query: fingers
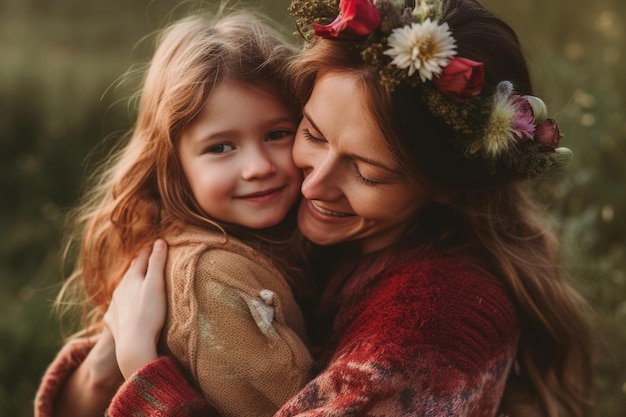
pixel 149 263
pixel 139 265
pixel 156 265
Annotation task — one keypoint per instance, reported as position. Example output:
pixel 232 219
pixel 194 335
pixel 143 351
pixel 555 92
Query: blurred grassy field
pixel 61 96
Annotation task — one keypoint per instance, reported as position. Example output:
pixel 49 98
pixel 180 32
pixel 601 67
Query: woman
pixel 417 137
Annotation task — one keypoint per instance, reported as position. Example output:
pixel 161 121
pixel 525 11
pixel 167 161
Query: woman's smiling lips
pixel 327 212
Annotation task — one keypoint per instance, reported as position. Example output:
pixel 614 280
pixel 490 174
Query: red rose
pixel 548 134
pixel 461 79
pixel 356 18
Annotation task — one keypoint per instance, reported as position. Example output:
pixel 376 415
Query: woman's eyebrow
pixel 376 164
pixel 355 156
pixel 310 120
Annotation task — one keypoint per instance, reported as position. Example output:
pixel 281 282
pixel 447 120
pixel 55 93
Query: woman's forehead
pixel 338 109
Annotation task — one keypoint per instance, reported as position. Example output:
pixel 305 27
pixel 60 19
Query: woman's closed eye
pixel 309 136
pixel 359 176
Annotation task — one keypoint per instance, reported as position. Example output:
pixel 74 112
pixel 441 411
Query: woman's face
pixel 353 188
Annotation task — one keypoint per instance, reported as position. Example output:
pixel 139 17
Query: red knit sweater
pixel 429 337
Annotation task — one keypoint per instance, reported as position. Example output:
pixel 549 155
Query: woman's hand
pixel 137 311
pixel 89 389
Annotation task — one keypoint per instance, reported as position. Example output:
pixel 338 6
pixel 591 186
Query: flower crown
pixel 410 45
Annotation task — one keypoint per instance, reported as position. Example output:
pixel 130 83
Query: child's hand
pixel 137 311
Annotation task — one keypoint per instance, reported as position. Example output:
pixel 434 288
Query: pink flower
pixel 548 134
pixel 356 18
pixel 523 119
pixel 462 78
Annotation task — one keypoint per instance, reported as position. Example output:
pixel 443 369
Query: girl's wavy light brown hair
pixel 140 193
pixel 490 217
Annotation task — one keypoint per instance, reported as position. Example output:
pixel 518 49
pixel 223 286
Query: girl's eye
pixel 361 178
pixel 221 148
pixel 308 136
pixel 279 134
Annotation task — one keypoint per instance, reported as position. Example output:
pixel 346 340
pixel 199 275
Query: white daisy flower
pixel 423 47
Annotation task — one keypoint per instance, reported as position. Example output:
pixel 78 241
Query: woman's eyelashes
pixel 355 168
pixel 361 178
pixel 309 136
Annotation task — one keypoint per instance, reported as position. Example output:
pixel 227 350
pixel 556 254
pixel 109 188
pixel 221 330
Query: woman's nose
pixel 321 180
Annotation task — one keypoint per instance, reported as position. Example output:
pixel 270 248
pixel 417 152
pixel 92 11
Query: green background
pixel 64 101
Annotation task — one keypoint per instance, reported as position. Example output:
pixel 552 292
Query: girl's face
pixel 353 188
pixel 236 155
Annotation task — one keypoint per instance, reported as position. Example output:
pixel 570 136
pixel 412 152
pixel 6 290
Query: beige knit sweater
pixel 233 324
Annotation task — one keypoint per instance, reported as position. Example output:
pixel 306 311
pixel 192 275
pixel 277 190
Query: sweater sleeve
pixel 159 389
pixel 58 372
pixel 433 341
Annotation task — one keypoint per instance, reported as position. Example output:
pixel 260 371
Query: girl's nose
pixel 256 165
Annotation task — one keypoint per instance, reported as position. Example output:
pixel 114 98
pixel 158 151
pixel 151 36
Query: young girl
pixel 209 169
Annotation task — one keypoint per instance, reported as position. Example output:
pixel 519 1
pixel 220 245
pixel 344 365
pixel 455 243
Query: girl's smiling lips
pixel 264 195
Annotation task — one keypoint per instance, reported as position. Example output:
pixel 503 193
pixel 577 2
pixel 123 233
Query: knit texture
pixel 431 337
pixel 233 324
pixel 58 372
pixel 173 395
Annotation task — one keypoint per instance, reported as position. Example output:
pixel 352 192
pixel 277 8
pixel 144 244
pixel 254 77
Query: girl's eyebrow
pixel 355 156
